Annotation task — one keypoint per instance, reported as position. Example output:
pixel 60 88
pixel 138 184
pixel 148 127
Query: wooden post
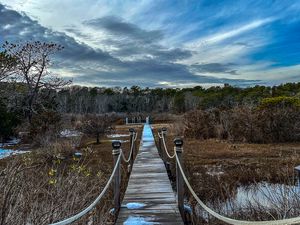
pixel 163 134
pixel 117 179
pixel 297 170
pixel 159 142
pixel 132 133
pixel 126 120
pixel 179 179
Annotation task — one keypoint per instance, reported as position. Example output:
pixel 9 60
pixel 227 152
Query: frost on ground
pixel 136 220
pixel 135 205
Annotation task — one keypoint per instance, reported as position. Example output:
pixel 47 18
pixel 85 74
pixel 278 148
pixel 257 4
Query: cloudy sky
pixel 168 43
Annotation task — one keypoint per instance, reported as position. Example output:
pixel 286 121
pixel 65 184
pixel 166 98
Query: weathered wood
pixel 117 179
pixel 179 179
pixel 149 189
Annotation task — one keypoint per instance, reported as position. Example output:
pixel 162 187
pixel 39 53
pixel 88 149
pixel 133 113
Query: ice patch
pixel 134 220
pixel 135 205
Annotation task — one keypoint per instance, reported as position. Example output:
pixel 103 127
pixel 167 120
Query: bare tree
pixel 96 125
pixel 33 61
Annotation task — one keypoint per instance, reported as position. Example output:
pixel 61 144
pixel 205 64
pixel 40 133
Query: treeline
pixel 82 100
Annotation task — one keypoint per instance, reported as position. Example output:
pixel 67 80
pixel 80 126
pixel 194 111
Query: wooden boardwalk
pixel 149 198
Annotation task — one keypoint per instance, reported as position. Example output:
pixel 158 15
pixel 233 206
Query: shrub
pixel 274 120
pixel 200 124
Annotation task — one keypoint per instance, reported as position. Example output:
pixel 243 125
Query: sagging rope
pixel 94 203
pixel 165 146
pixel 295 220
pixel 131 149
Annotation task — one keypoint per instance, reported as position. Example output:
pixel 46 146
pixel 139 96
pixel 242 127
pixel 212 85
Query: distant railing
pixel 181 179
pixel 137 120
pixel 118 155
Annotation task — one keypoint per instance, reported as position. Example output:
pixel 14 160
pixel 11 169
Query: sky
pixel 163 43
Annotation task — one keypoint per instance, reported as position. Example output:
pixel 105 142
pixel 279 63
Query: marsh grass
pixel 218 169
pixel 50 184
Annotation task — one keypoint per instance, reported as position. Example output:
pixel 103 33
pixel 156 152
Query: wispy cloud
pixel 233 32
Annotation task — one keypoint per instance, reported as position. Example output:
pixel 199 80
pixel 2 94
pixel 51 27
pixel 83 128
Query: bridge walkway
pixel 149 198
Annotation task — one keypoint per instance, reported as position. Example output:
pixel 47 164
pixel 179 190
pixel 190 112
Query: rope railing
pixel 161 136
pixel 180 175
pixel 131 149
pixel 115 175
pixel 94 203
pixel 166 149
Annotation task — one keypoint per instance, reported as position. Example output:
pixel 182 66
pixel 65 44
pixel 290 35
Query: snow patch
pixel 77 154
pixel 122 141
pixel 134 220
pixel 135 205
pixel 188 209
pixel 117 135
pixel 214 170
pixel 70 133
pixel 6 153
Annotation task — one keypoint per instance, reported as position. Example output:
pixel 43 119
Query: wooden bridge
pixel 149 198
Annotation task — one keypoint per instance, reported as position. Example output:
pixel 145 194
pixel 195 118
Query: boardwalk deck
pixel 149 198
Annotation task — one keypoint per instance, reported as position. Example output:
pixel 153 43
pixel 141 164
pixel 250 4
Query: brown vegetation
pixel 216 168
pixel 51 183
pixel 245 124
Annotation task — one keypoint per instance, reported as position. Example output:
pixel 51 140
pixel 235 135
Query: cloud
pixel 117 26
pixel 135 56
pixel 131 42
pixel 215 68
pixel 233 32
pixel 16 27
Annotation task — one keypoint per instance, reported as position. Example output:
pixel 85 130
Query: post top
pixel 131 130
pixel 178 142
pixel 116 144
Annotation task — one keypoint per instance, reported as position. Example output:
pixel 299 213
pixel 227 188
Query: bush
pixel 200 124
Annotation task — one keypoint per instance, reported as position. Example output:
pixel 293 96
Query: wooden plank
pixel 149 189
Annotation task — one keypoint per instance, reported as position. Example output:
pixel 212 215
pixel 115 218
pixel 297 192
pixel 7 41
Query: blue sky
pixel 168 43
